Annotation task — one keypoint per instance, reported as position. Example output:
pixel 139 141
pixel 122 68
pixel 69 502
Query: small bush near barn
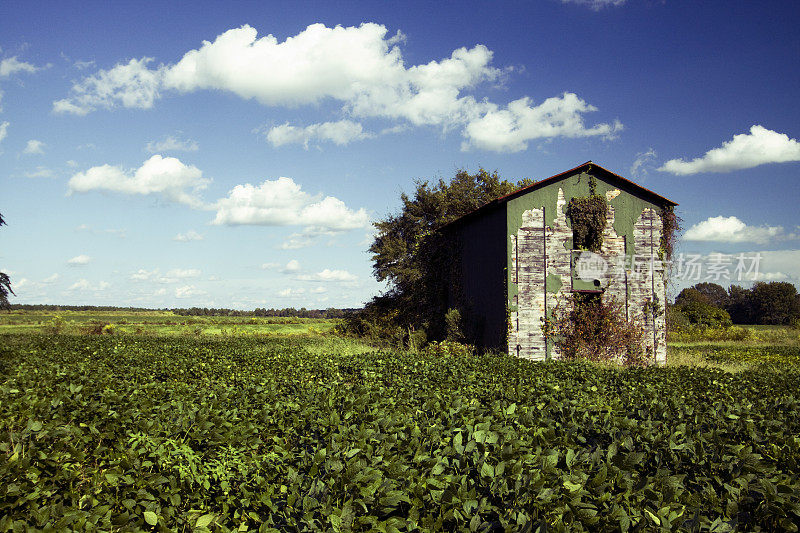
pixel 110 432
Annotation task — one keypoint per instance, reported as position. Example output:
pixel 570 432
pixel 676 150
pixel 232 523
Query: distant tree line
pixel 195 311
pixel 775 303
pixel 54 307
pixel 285 312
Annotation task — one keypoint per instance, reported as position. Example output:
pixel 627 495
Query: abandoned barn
pixel 518 257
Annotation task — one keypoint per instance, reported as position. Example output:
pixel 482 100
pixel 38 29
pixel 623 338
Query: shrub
pixel 449 349
pixel 705 314
pixel 452 320
pixel 596 330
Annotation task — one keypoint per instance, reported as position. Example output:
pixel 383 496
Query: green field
pixel 256 431
pixel 161 323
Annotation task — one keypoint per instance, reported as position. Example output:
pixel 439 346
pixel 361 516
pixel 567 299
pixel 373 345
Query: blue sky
pixel 181 154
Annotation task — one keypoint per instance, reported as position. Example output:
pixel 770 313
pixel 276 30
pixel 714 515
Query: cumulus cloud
pixel 340 133
pixel 172 276
pixel 12 65
pixel 360 68
pixel 642 162
pixel 79 260
pixel 188 291
pixel 34 147
pixel 509 129
pixel 40 172
pixel 595 5
pixel 291 267
pixel 290 292
pixel 4 130
pixel 172 144
pixel 731 229
pixel 52 278
pixel 190 235
pixel 328 275
pixel 129 84
pixel 745 150
pixel 282 202
pixel 164 176
pixel 86 285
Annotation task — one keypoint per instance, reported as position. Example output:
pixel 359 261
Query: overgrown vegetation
pixel 140 433
pixel 415 258
pixel 670 228
pixel 587 327
pixel 587 216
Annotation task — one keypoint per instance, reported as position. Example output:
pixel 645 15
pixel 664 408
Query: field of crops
pixel 278 434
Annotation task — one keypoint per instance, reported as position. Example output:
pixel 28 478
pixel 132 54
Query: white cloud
pixel 173 276
pixel 188 291
pixel 34 147
pixel 172 144
pixel 51 279
pixel 72 163
pixel 361 68
pixel 40 172
pixel 190 235
pixel 165 176
pixel 282 202
pixel 295 241
pixel 182 273
pixel 288 292
pixel 79 260
pixel 318 290
pixel 759 147
pixel 129 84
pixel 85 285
pixel 4 130
pixel 341 133
pixel 595 5
pixel 11 65
pixel 642 162
pixel 328 275
pixel 510 129
pixel 291 266
pixel 270 266
pixel 731 229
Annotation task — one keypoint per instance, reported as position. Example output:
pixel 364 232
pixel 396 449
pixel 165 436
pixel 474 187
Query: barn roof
pixel 612 178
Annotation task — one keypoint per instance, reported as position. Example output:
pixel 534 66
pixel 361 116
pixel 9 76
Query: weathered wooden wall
pixel 541 266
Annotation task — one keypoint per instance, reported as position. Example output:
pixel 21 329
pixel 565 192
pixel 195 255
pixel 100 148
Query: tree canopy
pixel 5 282
pixel 408 252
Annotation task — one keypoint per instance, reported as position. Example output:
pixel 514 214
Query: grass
pixel 160 323
pixel 735 349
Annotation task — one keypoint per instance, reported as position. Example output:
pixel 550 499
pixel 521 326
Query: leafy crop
pixel 126 433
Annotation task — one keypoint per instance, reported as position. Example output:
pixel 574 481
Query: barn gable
pixel 540 267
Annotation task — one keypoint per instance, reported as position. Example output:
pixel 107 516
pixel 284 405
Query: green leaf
pixel 458 443
pixel 511 409
pixel 204 520
pixel 487 470
pixel 653 517
pixel 151 518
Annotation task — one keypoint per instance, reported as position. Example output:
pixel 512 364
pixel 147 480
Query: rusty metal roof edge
pixel 553 179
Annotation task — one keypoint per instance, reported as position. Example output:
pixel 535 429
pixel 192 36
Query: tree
pixel 774 302
pixel 5 282
pixel 716 294
pixel 409 252
pixel 740 305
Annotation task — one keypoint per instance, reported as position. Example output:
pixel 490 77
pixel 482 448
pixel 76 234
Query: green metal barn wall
pixel 480 295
